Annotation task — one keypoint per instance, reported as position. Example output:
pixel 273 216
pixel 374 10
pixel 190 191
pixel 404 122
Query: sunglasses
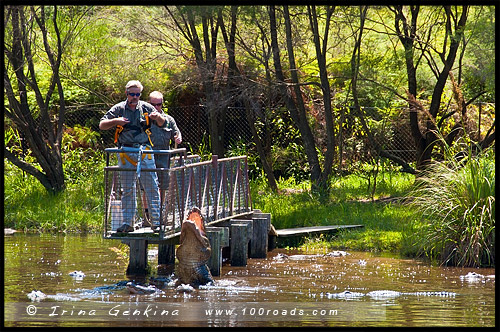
pixel 134 94
pixel 158 104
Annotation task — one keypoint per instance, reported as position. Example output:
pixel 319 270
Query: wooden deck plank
pixel 288 232
pixel 147 234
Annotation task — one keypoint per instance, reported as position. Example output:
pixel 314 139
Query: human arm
pixel 175 128
pixel 178 138
pixel 156 116
pixel 106 124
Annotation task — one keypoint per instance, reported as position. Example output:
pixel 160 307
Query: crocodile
pixel 386 294
pixel 476 277
pixel 135 288
pixel 38 295
pixel 155 285
pixel 193 252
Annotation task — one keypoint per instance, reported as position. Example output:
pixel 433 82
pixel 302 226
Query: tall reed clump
pixel 456 204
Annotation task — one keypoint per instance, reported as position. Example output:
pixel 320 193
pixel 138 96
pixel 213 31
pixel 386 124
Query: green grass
pixel 349 204
pixel 29 207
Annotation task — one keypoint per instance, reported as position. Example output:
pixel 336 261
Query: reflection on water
pixel 264 293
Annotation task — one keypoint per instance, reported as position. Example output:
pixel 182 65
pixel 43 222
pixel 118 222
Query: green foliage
pixel 288 158
pixel 28 206
pixel 479 70
pixel 295 206
pixel 79 208
pixel 204 150
pixel 243 148
pixel 82 160
pixel 457 203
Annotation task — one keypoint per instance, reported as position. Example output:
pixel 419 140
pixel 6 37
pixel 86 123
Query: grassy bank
pixel 349 203
pixel 79 208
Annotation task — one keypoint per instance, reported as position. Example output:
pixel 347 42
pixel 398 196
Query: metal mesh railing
pixel 219 188
pixel 134 194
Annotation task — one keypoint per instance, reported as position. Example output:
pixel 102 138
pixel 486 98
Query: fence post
pixel 216 187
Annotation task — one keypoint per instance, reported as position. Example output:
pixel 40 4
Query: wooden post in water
pixel 137 257
pixel 259 241
pixel 215 261
pixel 239 244
pixel 264 232
pixel 166 254
pixel 218 237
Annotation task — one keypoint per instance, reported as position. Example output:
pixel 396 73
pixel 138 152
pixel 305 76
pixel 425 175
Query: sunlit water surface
pixel 264 293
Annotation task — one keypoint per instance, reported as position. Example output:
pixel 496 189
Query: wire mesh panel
pixel 135 189
pixel 219 188
pixel 120 210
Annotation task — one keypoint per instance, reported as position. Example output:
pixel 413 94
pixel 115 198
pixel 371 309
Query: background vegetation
pixel 326 92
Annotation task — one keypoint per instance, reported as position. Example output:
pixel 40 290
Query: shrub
pixel 457 206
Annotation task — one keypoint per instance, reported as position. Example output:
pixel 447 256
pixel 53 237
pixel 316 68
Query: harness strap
pixel 124 156
pixel 148 126
pixel 118 130
pixel 148 132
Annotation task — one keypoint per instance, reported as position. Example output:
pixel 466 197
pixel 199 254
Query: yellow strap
pixel 124 156
pixel 118 130
pixel 148 132
pixel 147 148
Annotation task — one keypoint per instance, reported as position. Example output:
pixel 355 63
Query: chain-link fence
pixel 392 132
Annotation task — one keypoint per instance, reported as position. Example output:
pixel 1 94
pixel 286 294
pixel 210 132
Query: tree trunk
pixel 233 71
pixel 42 135
pixel 325 88
pixel 426 138
pixel 296 108
pixel 271 180
pixel 206 63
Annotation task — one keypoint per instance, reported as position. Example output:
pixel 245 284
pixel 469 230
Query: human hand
pixel 178 139
pixel 121 121
pixel 155 115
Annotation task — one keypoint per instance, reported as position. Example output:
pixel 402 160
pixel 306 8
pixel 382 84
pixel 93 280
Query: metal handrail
pixel 219 187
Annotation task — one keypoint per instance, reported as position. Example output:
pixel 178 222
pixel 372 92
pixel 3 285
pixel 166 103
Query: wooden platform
pixel 295 236
pixel 287 232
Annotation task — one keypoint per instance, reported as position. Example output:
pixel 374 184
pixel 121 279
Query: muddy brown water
pixel 297 290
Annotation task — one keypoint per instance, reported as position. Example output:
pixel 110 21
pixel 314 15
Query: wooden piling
pixel 137 257
pixel 239 244
pixel 270 236
pixel 259 240
pixel 218 237
pixel 166 254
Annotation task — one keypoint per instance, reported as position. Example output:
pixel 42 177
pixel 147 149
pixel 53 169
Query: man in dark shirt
pixel 133 118
pixel 162 135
